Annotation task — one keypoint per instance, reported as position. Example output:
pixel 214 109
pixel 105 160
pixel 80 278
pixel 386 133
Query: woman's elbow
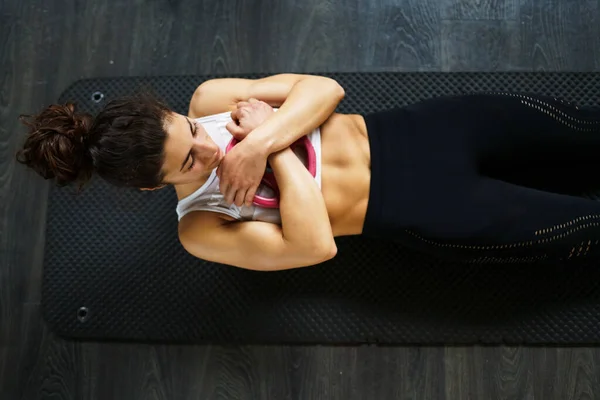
pixel 332 252
pixel 337 90
pixel 299 258
pixel 325 251
pixel 329 86
pixel 318 254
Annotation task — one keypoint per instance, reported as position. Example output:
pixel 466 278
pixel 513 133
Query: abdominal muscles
pixel 345 173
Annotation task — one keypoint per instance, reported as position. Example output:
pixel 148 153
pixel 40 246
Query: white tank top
pixel 209 198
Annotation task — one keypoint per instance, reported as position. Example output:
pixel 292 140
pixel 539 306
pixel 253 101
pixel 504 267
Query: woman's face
pixel 190 153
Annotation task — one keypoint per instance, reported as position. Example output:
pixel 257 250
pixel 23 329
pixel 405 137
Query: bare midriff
pixel 346 172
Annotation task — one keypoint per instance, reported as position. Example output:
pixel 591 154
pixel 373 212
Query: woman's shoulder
pixel 198 230
pixel 214 96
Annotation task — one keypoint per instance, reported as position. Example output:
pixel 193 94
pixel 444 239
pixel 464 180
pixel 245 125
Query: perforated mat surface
pixel 114 268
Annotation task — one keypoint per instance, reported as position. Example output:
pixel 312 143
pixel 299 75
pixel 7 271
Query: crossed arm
pixel 304 103
pixel 305 236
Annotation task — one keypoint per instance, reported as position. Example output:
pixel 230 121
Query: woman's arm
pixel 305 102
pixel 304 237
pixel 309 103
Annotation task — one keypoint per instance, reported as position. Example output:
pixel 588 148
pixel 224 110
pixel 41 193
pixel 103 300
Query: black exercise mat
pixel 114 268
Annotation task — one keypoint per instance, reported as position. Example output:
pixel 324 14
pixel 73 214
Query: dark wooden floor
pixel 46 45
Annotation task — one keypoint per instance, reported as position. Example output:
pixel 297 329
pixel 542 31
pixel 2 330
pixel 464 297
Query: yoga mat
pixel 114 268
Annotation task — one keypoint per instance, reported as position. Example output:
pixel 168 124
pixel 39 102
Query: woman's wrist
pixel 261 143
pixel 277 132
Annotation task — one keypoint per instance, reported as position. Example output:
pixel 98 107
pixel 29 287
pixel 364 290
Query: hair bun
pixel 56 146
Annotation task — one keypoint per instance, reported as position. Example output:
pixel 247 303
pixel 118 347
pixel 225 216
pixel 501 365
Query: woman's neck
pixel 185 189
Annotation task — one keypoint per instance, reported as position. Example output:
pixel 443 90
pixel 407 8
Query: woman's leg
pixel 492 220
pixel 483 177
pixel 537 141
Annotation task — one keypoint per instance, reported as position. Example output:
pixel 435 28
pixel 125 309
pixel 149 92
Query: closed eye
pixel 193 130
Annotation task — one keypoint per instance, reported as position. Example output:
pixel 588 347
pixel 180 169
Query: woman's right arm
pixel 304 238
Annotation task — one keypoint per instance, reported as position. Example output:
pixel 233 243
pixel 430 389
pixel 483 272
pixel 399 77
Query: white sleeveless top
pixel 209 198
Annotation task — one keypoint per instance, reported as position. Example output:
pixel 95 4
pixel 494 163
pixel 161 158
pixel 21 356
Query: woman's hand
pixel 247 117
pixel 242 169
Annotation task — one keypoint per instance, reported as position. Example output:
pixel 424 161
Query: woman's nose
pixel 205 149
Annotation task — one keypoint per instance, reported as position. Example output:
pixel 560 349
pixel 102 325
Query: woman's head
pixel 134 141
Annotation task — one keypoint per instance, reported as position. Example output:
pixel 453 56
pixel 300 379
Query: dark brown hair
pixel 124 144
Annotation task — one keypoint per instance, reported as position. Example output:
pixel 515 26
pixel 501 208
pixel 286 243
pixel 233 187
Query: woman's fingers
pixel 240 197
pixel 236 131
pixel 249 197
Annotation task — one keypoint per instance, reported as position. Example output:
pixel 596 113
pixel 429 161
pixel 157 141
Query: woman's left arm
pixel 304 101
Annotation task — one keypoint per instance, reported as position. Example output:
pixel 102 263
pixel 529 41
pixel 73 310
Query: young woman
pixel 491 177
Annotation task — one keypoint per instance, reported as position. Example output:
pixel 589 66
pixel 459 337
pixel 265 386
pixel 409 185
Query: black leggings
pixel 487 177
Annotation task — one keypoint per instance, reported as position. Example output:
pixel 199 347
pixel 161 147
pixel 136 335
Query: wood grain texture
pixel 480 9
pixel 44 46
pixel 401 35
pixel 480 45
pixel 24 356
pixel 559 35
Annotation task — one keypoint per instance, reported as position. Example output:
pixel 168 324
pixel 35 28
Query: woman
pixel 484 177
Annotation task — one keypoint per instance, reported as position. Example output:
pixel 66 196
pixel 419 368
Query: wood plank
pixel 400 35
pixel 480 9
pixel 560 35
pixel 480 46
